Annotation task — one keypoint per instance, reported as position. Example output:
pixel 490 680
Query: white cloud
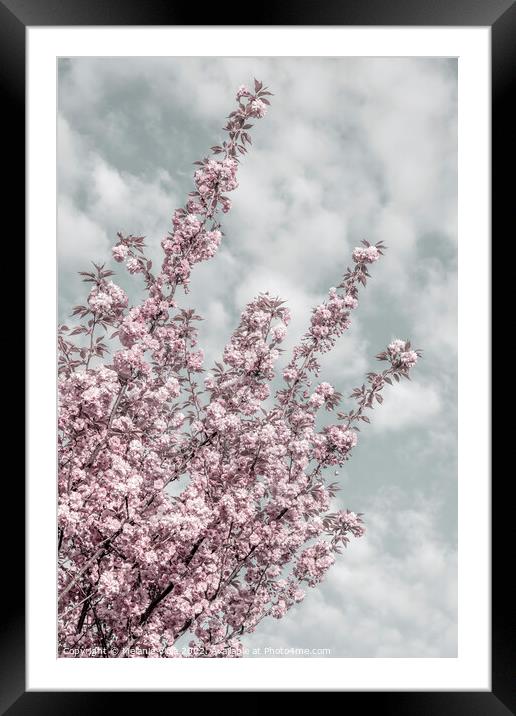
pixel 80 238
pixel 110 200
pixel 379 601
pixel 407 404
pixel 434 312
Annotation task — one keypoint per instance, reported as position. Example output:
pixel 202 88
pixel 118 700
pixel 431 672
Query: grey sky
pixel 352 148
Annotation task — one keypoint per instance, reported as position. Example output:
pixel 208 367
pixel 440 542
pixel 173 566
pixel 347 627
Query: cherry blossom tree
pixel 199 505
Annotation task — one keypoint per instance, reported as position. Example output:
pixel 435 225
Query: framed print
pixel 258 417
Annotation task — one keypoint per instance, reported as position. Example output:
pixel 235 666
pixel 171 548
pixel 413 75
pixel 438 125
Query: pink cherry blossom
pixel 258 108
pixel 367 255
pixel 199 504
pixel 119 252
pixel 242 92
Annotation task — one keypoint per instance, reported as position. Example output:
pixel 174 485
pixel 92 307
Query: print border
pixel 500 16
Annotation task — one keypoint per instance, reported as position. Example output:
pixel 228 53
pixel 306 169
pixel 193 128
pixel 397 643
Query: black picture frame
pixel 500 16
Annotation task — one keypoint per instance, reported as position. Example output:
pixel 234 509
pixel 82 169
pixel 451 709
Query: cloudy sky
pixel 352 148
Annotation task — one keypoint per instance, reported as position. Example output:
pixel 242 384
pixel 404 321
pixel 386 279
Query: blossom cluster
pixel 195 503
